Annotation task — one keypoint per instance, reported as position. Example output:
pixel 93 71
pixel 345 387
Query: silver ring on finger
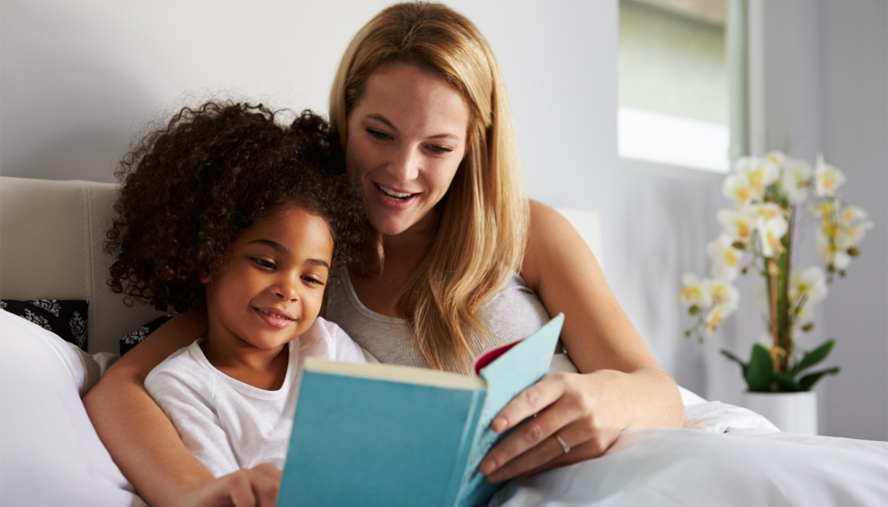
pixel 564 446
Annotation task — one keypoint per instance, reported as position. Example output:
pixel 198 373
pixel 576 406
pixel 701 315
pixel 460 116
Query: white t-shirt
pixel 227 424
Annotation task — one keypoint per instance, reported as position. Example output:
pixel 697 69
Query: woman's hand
pixel 253 487
pixel 620 385
pixel 586 411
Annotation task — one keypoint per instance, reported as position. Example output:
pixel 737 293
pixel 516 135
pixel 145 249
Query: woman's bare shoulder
pixel 550 239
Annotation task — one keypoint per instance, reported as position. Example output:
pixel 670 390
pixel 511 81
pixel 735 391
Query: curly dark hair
pixel 192 187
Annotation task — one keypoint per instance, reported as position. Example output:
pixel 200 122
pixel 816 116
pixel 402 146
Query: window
pixel 682 82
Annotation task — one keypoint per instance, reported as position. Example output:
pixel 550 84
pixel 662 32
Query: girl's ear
pixel 204 277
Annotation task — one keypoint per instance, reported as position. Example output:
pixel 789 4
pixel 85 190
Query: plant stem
pixel 773 272
pixel 783 306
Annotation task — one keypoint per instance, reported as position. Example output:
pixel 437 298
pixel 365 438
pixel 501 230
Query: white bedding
pixel 50 453
pixel 753 464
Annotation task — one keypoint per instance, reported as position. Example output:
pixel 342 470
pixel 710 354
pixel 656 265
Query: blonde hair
pixel 482 229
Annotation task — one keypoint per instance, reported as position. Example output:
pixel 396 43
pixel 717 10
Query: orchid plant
pixel 769 194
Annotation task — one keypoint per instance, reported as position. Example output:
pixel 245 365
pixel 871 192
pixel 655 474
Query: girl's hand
pixel 587 411
pixel 249 487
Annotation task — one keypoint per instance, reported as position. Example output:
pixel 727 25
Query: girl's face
pixel 406 138
pixel 271 289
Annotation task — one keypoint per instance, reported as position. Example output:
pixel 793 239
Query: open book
pixel 373 434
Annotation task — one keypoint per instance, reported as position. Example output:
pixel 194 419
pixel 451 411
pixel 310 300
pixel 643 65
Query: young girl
pixel 226 211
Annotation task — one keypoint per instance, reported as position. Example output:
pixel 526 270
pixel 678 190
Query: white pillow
pixel 51 454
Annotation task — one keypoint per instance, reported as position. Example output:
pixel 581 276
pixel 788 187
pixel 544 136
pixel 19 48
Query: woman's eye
pixel 377 134
pixel 264 263
pixel 440 149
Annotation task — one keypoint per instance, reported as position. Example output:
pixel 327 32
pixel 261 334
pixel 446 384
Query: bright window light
pixel 673 140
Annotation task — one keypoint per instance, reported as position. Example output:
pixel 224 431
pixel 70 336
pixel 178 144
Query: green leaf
pixel 760 370
pixel 739 361
pixel 786 382
pixel 808 381
pixel 813 357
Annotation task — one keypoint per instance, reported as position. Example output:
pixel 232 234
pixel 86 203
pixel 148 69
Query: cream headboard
pixel 51 237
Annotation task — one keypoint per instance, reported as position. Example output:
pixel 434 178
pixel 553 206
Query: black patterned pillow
pixel 133 338
pixel 64 317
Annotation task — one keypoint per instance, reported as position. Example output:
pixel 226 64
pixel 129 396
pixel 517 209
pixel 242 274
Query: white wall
pixel 854 114
pixel 79 80
pixel 826 70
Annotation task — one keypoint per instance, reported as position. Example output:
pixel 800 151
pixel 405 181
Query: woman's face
pixel 406 138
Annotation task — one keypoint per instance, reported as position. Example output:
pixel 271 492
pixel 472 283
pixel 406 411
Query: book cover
pixel 386 435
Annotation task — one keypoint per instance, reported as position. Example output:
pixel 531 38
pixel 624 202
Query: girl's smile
pixel 274 317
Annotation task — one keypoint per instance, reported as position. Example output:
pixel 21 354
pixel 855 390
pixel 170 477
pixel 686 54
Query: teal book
pixel 386 435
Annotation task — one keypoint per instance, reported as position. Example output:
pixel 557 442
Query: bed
pixel 51 235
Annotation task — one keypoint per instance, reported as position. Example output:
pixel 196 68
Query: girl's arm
pixel 144 443
pixel 620 385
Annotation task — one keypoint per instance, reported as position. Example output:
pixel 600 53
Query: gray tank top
pixel 512 314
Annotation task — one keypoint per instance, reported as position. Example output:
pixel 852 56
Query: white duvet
pixel 751 465
pixel 726 455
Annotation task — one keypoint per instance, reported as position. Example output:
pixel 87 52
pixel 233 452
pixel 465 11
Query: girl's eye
pixel 377 134
pixel 264 263
pixel 312 280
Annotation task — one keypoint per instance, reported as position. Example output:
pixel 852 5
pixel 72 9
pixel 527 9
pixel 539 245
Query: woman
pixel 458 260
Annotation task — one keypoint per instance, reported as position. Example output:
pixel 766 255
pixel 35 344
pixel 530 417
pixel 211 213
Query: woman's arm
pixel 140 438
pixel 621 386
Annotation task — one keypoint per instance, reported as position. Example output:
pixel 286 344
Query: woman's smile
pixel 394 199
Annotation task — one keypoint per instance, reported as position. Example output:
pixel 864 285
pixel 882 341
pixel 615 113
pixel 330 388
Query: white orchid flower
pixel 827 178
pixel 725 259
pixel 826 247
pixel 841 230
pixel 849 236
pixel 724 293
pixel 851 214
pixel 760 173
pixel 795 180
pixel 776 157
pixel 739 224
pixel 750 179
pixel 716 317
pixel 736 187
pixel 766 211
pixel 810 283
pixel 771 231
pixel 694 292
pixel 824 210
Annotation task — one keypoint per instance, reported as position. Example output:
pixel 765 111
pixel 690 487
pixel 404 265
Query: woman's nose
pixel 405 165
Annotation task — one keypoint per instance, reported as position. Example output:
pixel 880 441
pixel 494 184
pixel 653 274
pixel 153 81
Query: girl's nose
pixel 286 290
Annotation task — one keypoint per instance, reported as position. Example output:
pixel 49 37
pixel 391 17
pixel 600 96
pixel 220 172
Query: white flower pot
pixel 792 412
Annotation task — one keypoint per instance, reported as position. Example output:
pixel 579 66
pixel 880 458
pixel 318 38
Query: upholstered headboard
pixel 51 238
pixel 51 247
